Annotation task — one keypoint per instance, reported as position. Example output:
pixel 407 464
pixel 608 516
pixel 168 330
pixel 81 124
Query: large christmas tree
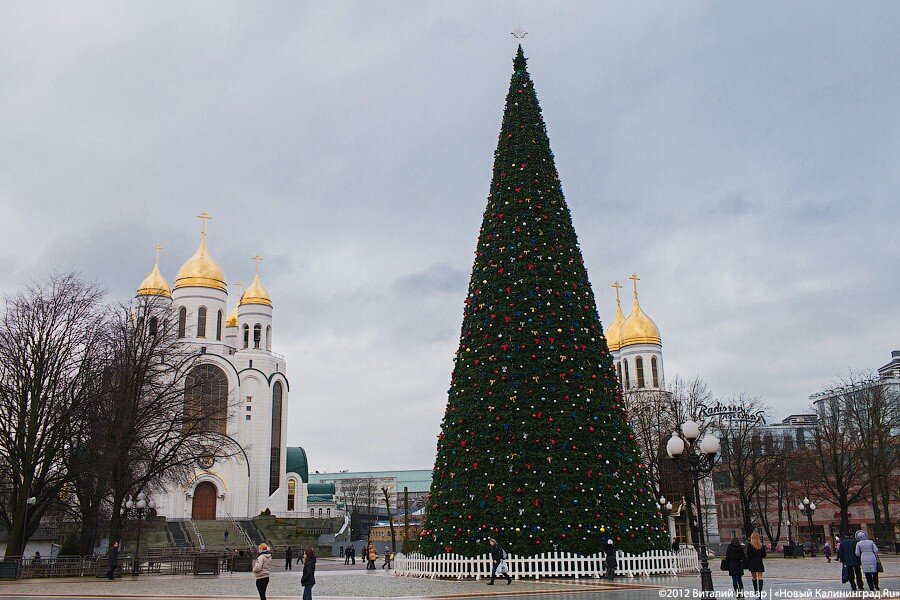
pixel 535 448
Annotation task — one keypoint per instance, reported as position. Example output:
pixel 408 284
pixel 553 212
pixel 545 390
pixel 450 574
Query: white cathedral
pixel 635 346
pixel 238 370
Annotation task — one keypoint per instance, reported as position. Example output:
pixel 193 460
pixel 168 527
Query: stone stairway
pixel 179 536
pixel 253 532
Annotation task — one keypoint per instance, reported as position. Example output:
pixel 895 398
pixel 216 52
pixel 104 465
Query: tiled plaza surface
pixel 788 579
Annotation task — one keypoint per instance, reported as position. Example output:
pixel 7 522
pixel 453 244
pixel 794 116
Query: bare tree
pixel 358 494
pixel 49 336
pixel 838 456
pixel 744 459
pixel 158 414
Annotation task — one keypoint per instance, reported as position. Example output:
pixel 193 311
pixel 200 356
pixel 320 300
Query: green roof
pixel 320 489
pixel 297 463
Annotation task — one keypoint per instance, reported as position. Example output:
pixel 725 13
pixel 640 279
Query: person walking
pixel 288 559
pixel 675 546
pixel 867 552
pixel 734 558
pixel 498 557
pixel 756 552
pixel 261 568
pixel 347 552
pixel 226 536
pixel 388 557
pixel 308 579
pixel 826 550
pixel 847 555
pixel 609 560
pixel 352 555
pixel 113 560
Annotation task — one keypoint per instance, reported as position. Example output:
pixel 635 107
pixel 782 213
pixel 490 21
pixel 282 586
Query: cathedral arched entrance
pixel 203 506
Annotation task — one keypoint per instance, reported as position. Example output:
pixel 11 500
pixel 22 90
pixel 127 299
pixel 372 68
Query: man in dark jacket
pixel 609 559
pixel 847 555
pixel 497 556
pixel 113 558
pixel 288 558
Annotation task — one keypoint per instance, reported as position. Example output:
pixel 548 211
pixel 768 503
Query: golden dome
pixel 256 293
pixel 614 331
pixel 638 327
pixel 154 284
pixel 201 270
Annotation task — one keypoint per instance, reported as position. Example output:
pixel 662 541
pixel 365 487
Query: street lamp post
pixel 139 506
pixel 695 457
pixel 807 509
pixel 29 502
pixel 790 539
pixel 665 507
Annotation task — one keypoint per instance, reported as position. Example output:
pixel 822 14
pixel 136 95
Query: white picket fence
pixel 550 564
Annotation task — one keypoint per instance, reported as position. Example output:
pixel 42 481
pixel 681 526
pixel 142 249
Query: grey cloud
pixel 743 166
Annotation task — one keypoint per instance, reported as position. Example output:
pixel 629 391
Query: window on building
pixel 619 368
pixel 292 492
pixel 206 399
pixel 201 322
pixel 257 334
pixel 219 317
pixel 153 326
pixel 654 371
pixel 327 512
pixel 275 462
pixel 182 321
pixel 627 375
pixel 246 336
pixel 269 338
pixel 320 512
pixel 639 367
pixel 312 512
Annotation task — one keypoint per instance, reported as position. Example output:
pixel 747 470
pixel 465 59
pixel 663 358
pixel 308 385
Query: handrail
pixel 244 533
pixel 197 533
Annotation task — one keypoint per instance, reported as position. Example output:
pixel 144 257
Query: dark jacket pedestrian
pixel 347 552
pixel 756 552
pixel 867 552
pixel 113 560
pixel 498 555
pixel 352 555
pixel 755 558
pixel 734 557
pixel 675 546
pixel 847 555
pixel 288 558
pixel 308 579
pixel 609 559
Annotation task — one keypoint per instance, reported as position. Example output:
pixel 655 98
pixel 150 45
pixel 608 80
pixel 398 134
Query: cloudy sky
pixel 742 158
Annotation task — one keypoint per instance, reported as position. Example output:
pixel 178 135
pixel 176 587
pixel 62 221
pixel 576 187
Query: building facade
pixel 246 382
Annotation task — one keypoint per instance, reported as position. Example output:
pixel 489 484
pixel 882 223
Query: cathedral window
pixel 206 399
pixel 639 367
pixel 327 512
pixel 201 322
pixel 269 338
pixel 182 321
pixel 219 326
pixel 627 375
pixel 246 336
pixel 275 462
pixel 153 326
pixel 292 492
pixel 654 370
pixel 257 335
pixel 312 512
pixel 619 369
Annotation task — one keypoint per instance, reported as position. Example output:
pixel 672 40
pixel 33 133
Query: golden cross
pixel 617 286
pixel 633 277
pixel 239 284
pixel 204 216
pixel 157 246
pixel 257 258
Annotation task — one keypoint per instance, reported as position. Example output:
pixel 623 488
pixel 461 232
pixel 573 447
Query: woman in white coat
pixel 867 552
